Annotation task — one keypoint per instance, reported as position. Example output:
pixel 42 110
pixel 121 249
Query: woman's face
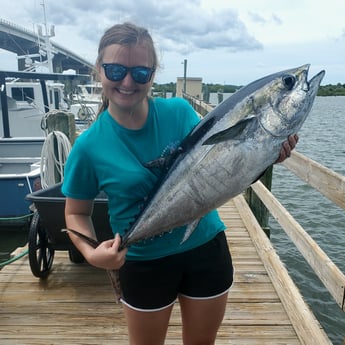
pixel 126 95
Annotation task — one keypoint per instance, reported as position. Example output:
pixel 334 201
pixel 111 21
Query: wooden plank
pixel 322 265
pixel 326 181
pixel 75 304
pixel 307 327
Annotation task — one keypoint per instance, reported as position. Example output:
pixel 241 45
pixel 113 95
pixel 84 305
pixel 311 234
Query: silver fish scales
pixel 227 151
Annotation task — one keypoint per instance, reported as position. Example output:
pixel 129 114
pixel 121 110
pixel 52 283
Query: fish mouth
pixel 315 81
pixel 311 88
pixel 301 73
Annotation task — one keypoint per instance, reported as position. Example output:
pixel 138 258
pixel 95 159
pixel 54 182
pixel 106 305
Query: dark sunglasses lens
pixel 141 75
pixel 115 72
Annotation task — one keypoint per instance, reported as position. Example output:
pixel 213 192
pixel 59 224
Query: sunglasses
pixel 117 72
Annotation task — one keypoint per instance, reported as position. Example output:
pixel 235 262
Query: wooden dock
pixel 75 304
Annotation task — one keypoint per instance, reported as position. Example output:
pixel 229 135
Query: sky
pixel 224 41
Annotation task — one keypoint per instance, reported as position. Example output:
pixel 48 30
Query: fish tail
pixel 114 277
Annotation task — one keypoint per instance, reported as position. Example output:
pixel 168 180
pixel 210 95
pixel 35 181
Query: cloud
pixel 179 26
pixel 260 19
pixel 227 41
pixel 191 30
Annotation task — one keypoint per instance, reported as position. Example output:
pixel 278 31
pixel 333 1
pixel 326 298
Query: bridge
pixel 32 46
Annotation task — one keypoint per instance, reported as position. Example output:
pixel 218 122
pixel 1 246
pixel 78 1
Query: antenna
pixel 46 37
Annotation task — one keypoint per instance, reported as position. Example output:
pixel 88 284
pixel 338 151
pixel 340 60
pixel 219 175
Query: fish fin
pixel 232 133
pixel 156 163
pixel 93 243
pixel 166 161
pixel 189 229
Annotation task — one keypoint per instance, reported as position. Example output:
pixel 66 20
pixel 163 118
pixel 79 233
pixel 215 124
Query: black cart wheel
pixel 41 253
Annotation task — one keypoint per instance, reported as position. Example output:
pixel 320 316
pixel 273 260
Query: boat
pixel 86 100
pixel 27 98
pixel 30 103
pixel 88 93
pixel 19 174
pixel 26 106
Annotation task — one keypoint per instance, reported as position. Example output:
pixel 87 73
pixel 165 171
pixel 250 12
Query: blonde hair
pixel 125 34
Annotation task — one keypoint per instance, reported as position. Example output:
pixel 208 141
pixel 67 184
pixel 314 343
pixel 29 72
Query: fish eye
pixel 289 81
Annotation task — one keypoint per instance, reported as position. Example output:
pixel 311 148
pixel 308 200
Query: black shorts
pixel 203 272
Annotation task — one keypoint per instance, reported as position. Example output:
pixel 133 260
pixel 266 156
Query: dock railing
pixel 199 106
pixel 324 180
pixel 332 186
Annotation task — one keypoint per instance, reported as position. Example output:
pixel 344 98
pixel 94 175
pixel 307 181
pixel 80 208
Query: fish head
pixel 284 103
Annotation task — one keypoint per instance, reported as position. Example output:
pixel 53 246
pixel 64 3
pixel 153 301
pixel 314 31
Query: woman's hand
pixel 107 255
pixel 287 147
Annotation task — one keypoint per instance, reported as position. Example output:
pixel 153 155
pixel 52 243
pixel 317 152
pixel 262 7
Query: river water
pixel 322 138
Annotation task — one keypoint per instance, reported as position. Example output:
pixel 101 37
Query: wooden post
pixel 256 205
pixel 63 122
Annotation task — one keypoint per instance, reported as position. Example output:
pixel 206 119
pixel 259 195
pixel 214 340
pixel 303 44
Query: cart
pixel 45 235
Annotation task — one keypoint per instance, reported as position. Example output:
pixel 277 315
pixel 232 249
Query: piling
pixel 61 121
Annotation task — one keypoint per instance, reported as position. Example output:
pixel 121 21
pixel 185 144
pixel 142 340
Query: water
pixel 11 239
pixel 214 98
pixel 322 139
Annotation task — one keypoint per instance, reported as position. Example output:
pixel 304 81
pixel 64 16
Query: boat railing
pixel 322 179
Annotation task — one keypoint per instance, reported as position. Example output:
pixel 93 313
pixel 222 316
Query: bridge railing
pixel 16 26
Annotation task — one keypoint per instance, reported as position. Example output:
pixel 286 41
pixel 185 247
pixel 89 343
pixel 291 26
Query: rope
pixel 15 218
pixel 15 258
pixel 55 151
pixel 29 184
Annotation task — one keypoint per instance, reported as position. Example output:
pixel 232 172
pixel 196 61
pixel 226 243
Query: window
pixel 23 93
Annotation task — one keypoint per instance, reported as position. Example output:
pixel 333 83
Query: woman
pixel 133 129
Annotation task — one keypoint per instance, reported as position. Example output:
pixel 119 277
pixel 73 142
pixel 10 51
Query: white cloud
pixel 233 42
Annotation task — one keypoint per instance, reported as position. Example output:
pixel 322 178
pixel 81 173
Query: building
pixel 193 87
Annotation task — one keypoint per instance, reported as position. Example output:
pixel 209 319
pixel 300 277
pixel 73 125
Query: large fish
pixel 224 154
pixel 227 151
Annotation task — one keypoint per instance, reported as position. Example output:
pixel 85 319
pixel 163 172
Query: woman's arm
pixel 78 217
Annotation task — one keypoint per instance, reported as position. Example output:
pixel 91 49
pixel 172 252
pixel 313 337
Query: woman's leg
pixel 204 291
pixel 202 318
pixel 147 328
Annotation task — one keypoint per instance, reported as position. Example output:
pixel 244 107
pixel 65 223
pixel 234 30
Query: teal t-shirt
pixel 108 157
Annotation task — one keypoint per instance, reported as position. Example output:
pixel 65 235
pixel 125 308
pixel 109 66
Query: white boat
pixel 27 108
pixel 23 106
pixel 26 99
pixel 86 100
pixel 88 93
